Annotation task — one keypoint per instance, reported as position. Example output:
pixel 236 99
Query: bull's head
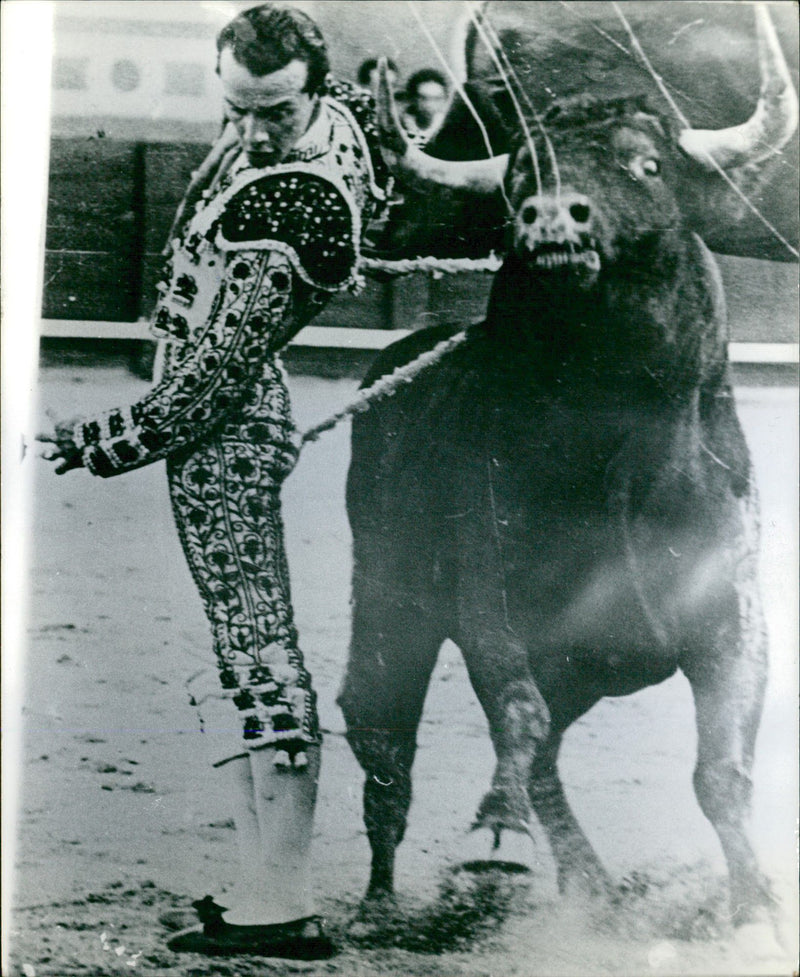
pixel 596 192
pixel 552 214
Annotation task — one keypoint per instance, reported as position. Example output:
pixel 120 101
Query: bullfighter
pixel 269 230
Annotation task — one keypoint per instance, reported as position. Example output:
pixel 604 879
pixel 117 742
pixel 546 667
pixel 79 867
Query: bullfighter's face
pixel 270 112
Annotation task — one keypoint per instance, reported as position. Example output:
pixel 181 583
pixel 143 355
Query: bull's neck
pixel 648 332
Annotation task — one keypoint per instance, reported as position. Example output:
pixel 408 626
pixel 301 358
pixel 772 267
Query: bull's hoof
pixel 504 809
pixel 482 866
pixel 759 940
pixel 482 851
pixel 374 914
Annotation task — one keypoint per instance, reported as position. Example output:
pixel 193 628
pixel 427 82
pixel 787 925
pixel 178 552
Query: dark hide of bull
pixel 568 497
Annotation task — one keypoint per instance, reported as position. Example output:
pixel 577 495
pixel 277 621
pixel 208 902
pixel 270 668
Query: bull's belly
pixel 601 610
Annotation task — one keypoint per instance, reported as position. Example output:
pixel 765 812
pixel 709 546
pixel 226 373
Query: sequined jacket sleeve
pixel 257 261
pixel 260 305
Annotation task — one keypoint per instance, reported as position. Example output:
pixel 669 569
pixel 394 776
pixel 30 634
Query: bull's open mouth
pixel 550 256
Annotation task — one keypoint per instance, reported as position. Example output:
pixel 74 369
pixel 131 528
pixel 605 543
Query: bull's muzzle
pixel 556 231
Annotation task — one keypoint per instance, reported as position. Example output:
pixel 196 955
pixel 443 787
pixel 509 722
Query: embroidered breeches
pixel 225 497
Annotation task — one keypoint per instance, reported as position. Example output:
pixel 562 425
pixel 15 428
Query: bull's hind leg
pixel 393 650
pixel 727 669
pixel 728 684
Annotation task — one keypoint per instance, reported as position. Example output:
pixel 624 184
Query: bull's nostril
pixel 580 213
pixel 529 214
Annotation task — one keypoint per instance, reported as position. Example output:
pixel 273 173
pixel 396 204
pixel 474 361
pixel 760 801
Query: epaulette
pixel 302 214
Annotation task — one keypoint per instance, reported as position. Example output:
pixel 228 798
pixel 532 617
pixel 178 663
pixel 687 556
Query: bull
pixel 567 495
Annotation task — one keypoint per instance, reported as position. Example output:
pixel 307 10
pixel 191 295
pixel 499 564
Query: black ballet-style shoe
pixel 205 910
pixel 300 939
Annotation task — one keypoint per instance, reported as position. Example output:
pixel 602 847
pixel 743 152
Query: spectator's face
pixel 430 100
pixel 374 78
pixel 270 112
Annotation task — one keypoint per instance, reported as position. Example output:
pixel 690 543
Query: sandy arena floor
pixel 120 817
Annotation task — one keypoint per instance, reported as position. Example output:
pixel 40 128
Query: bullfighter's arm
pixel 261 304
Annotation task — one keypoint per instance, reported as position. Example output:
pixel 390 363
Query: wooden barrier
pixel 324 337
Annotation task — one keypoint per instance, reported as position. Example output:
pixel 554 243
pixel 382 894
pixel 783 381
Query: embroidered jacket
pixel 260 255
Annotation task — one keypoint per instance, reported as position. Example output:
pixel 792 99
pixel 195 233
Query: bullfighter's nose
pixel 548 219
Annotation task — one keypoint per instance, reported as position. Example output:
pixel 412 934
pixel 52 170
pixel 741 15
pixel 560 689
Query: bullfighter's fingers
pixel 70 461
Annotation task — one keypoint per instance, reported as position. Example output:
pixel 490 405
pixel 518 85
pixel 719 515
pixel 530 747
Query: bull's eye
pixel 529 214
pixel 643 167
pixel 580 213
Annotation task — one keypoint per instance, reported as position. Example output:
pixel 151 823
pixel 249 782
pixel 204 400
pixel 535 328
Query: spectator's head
pixel 272 62
pixel 426 93
pixel 367 76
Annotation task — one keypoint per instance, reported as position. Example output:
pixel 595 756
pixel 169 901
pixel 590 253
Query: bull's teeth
pixel 556 259
pixel 591 259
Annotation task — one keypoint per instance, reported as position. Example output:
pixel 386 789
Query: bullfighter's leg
pixel 728 684
pixel 393 650
pixel 273 810
pixel 257 707
pixel 579 869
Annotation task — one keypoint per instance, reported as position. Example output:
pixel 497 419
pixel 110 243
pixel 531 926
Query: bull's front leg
pixel 580 872
pixel 496 654
pixel 393 650
pixel 517 715
pixel 525 742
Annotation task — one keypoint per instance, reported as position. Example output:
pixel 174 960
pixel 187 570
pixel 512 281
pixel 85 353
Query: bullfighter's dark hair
pixel 421 77
pixel 266 38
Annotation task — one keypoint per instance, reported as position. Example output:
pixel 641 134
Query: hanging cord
pixel 507 84
pixel 385 386
pixel 495 40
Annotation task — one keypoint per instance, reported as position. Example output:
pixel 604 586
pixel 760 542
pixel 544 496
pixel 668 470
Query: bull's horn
pixel 407 161
pixel 771 125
